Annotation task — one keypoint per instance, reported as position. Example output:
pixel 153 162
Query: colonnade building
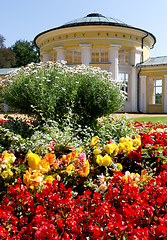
pixel 112 45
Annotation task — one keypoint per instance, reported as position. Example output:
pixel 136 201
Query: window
pixel 123 56
pixel 99 56
pixel 73 56
pixel 155 90
pixel 124 78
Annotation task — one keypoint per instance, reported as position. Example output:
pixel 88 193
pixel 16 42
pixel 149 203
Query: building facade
pixel 112 45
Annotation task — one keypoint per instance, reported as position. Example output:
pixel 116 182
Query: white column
pixel 60 53
pixel 165 94
pixel 136 56
pixel 143 94
pixel 45 56
pixel 133 88
pixel 86 53
pixel 113 58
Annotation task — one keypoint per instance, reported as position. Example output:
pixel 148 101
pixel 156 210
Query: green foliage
pixel 25 52
pixel 37 138
pixel 114 128
pixel 53 88
pixel 19 134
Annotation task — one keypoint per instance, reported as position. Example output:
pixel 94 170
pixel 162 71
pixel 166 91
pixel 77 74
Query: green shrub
pixel 18 134
pixel 21 135
pixel 53 88
pixel 114 128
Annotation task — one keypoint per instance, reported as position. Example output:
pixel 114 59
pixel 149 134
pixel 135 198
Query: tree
pixel 7 56
pixel 26 52
pixel 2 40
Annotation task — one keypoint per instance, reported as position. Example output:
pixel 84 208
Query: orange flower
pixel 33 178
pixel 50 158
pixel 84 170
pixel 44 166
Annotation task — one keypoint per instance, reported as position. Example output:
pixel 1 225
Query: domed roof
pixel 98 19
pixel 94 19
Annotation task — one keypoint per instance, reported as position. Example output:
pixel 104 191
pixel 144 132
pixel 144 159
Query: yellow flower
pixel 94 140
pixel 126 145
pixel 33 160
pixel 84 171
pixel 119 165
pixel 121 140
pixel 96 151
pixel 99 160
pixel 106 160
pixel 137 136
pixel 7 173
pixel 111 148
pixel 121 146
pixel 8 158
pixel 137 141
pixel 69 169
pixel 49 179
pixel 80 149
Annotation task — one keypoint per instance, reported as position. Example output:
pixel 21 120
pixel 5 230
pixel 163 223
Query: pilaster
pixel 165 93
pixel 143 94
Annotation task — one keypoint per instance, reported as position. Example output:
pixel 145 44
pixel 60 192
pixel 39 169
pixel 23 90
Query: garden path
pixel 127 115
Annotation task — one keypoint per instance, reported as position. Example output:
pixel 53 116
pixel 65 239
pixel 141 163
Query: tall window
pixel 123 56
pixel 124 78
pixel 99 56
pixel 73 56
pixel 155 90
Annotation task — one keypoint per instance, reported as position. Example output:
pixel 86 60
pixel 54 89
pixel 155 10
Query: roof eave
pixel 97 24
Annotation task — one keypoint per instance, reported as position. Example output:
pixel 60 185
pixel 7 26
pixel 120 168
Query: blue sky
pixel 21 19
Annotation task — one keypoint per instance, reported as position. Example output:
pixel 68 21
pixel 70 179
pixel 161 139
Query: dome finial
pixel 94 15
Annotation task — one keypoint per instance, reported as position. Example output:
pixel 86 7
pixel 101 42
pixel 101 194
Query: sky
pixel 24 19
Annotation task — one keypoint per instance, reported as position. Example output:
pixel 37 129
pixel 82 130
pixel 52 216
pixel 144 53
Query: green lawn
pixel 152 119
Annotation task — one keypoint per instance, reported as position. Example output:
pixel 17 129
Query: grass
pixel 151 119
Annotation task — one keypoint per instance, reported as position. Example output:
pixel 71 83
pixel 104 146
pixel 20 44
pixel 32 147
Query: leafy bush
pixel 21 134
pixel 18 134
pixel 113 128
pixel 53 88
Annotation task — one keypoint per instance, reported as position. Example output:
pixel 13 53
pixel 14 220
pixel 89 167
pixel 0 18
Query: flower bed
pixel 103 190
